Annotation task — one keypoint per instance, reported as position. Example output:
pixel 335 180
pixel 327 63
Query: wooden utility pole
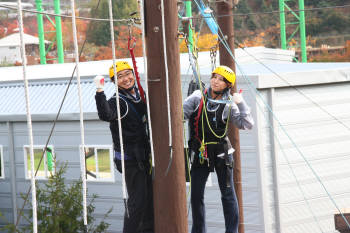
pixel 226 25
pixel 169 191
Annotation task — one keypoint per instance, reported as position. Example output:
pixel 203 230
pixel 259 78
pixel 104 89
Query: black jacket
pixel 133 119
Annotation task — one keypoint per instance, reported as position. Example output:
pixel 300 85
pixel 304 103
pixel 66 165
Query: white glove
pixel 99 81
pixel 237 98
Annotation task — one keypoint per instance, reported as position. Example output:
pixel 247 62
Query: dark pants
pixel 140 201
pixel 199 176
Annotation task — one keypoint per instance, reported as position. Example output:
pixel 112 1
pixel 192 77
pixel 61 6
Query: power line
pixel 267 12
pixel 182 18
pixel 67 16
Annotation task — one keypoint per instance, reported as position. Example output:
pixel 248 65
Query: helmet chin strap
pixel 217 93
pixel 128 89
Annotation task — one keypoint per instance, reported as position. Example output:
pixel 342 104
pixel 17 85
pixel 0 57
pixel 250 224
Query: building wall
pixel 10 54
pixel 303 206
pixel 66 141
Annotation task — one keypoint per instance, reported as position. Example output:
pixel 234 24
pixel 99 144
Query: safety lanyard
pixel 131 48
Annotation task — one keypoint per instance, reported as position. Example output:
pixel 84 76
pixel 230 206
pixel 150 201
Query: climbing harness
pixel 202 112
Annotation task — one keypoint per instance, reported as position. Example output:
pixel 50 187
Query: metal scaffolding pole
pixel 59 39
pixel 41 32
pixel 283 25
pixel 301 27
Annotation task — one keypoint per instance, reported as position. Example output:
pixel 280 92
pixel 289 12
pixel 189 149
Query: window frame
pixel 2 176
pixel 46 176
pixel 111 156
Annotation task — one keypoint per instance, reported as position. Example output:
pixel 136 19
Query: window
pixel 99 163
pixel 47 165
pixel 2 174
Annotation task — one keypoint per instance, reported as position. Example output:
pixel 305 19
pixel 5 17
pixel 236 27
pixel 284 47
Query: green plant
pixel 60 209
pixel 5 63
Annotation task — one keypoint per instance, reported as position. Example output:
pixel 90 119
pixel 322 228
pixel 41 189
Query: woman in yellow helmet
pixel 209 146
pixel 133 113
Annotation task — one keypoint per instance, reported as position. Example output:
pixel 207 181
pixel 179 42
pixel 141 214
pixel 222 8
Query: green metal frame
pixel 188 5
pixel 300 26
pixel 58 29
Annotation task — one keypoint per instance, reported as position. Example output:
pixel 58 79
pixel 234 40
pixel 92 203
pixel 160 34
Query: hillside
pixel 324 25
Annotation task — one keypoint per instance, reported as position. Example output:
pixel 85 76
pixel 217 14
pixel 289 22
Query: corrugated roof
pixel 265 55
pixel 46 97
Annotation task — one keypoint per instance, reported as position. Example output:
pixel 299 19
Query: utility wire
pixel 183 18
pixel 65 16
pixel 267 12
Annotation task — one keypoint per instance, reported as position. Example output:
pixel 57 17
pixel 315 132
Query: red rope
pixel 131 49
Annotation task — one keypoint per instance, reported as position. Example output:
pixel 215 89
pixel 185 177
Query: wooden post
pixel 226 25
pixel 340 223
pixel 169 190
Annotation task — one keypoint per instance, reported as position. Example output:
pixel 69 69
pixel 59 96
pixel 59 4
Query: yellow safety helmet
pixel 120 65
pixel 225 72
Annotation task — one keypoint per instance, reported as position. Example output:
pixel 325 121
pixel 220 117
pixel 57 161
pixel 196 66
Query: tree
pixel 99 32
pixel 60 209
pixel 334 21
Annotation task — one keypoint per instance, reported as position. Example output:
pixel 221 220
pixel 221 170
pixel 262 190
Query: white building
pixel 10 52
pixel 300 142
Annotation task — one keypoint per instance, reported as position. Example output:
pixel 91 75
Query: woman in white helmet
pixel 209 146
pixel 133 113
